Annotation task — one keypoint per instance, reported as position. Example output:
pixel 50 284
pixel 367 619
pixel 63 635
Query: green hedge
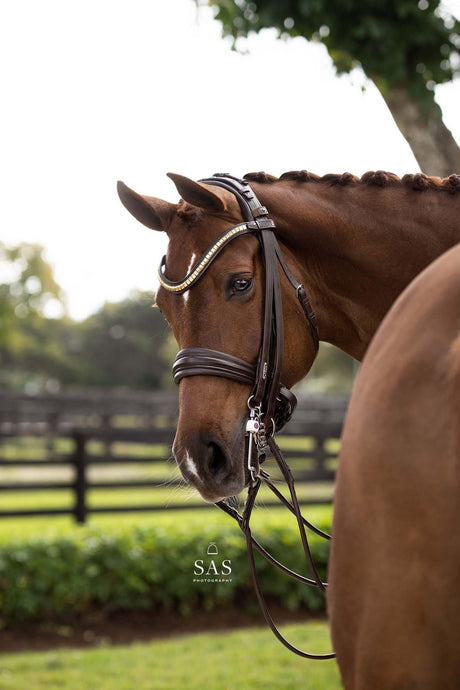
pixel 150 568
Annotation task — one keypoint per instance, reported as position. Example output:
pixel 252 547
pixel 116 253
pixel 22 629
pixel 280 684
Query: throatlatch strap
pixel 301 296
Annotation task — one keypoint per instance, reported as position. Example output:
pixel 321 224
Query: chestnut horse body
pixel 354 244
pixel 394 571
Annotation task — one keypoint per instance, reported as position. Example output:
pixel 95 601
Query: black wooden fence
pixel 82 443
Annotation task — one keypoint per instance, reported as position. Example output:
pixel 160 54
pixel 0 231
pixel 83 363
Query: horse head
pixel 223 311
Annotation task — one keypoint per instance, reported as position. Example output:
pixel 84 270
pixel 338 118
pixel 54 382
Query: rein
pixel 270 404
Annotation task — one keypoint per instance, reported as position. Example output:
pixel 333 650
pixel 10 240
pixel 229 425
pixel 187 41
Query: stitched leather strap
pixel 199 361
pixel 267 380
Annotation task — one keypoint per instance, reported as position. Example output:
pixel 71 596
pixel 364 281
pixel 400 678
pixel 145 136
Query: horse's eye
pixel 240 285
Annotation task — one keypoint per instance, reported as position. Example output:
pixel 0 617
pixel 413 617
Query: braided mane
pixel 379 178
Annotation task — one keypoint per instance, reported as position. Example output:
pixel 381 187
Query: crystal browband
pixel 203 264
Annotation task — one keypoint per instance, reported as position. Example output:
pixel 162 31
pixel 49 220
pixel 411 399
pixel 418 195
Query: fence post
pixel 79 459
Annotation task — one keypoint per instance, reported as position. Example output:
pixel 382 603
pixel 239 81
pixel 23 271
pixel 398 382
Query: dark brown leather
pixel 251 543
pixel 199 361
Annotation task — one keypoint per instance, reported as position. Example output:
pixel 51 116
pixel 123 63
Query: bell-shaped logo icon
pixel 212 549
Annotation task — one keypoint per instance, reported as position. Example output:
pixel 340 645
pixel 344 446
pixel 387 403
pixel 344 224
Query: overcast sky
pixel 99 90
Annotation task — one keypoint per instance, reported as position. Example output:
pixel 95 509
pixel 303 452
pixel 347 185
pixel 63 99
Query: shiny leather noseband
pixel 200 361
pixel 271 405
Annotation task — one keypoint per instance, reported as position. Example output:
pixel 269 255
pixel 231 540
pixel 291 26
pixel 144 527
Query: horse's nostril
pixel 215 461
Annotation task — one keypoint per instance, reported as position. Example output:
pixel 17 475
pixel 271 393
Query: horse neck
pixel 356 248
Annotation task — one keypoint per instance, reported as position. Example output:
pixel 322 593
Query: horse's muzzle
pixel 208 465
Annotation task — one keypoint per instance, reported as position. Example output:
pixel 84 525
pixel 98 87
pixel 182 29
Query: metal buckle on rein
pixel 255 430
pixel 252 430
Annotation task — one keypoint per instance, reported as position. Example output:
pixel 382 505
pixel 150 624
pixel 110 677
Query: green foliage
pixel 123 344
pixel 333 371
pixel 149 569
pixel 397 42
pixel 27 291
pixel 29 294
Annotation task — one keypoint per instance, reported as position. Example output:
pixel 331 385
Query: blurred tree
pixel 405 47
pixel 28 291
pixel 333 372
pixel 123 344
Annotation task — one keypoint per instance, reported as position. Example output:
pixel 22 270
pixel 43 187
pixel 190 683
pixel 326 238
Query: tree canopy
pixel 405 47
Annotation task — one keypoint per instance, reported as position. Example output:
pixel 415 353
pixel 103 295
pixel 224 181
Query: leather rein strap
pixel 271 405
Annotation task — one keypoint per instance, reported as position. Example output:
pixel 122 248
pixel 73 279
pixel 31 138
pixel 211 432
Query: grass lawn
pixel 248 659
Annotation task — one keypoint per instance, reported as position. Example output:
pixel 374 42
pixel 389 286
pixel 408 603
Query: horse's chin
pixel 216 493
pixel 216 498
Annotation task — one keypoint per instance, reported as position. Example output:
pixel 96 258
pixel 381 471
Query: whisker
pixel 183 492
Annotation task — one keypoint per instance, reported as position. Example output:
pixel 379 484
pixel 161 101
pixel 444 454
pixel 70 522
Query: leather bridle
pixel 270 404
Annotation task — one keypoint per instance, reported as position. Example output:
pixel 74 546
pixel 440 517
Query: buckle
pixel 265 223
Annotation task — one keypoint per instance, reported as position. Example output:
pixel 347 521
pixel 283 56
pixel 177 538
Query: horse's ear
pixel 154 213
pixel 197 194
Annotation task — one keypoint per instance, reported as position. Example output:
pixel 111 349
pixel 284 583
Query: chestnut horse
pixel 354 244
pixel 394 598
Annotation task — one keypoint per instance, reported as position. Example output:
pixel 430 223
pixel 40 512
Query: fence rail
pixel 129 435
